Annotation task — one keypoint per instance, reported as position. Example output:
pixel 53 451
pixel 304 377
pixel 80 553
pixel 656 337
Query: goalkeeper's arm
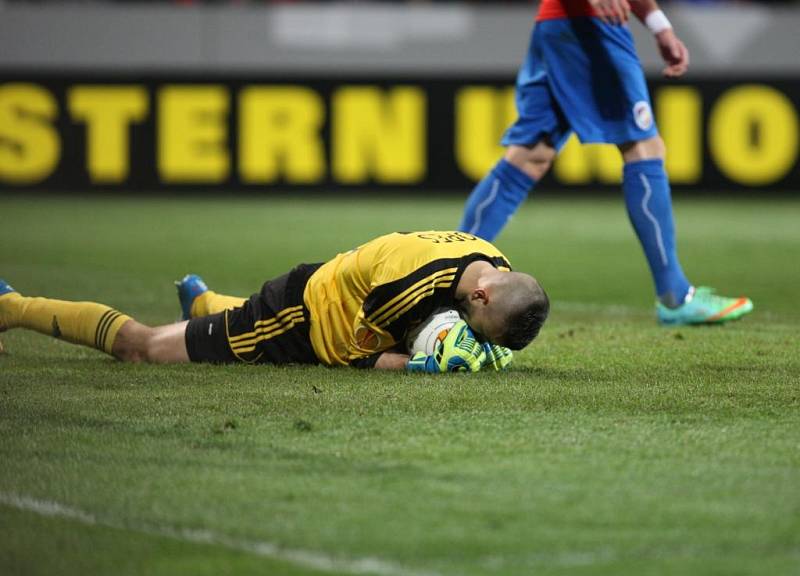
pixel 460 351
pixel 392 361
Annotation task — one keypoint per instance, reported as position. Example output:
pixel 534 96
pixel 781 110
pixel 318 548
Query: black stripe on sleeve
pixel 384 293
pixel 440 296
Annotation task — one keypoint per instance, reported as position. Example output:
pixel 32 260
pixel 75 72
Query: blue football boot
pixel 5 288
pixel 189 288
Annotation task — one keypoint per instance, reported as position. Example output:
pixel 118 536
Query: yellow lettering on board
pixel 108 112
pixel 481 114
pixel 193 134
pixel 30 146
pixel 753 134
pixel 680 121
pixel 280 134
pixel 380 134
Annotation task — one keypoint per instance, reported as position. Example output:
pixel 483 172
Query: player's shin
pixel 495 199
pixel 649 204
pixel 87 323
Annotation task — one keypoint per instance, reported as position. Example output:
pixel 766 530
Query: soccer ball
pixel 426 336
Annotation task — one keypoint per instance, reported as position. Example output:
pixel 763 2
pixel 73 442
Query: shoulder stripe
pixel 435 280
pixel 434 283
pixel 429 292
pixel 383 297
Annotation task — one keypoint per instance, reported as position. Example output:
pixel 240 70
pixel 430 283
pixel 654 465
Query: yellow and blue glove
pixel 498 357
pixel 460 351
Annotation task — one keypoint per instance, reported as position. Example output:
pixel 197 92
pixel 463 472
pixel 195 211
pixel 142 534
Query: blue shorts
pixel 581 75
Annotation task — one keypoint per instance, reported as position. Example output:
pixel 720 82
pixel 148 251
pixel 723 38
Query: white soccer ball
pixel 430 332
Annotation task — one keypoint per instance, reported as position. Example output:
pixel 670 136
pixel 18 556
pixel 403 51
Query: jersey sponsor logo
pixel 643 115
pixel 368 339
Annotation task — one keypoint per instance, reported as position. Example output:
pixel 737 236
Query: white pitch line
pixel 304 558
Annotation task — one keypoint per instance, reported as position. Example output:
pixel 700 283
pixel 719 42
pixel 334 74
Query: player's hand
pixel 498 357
pixel 612 11
pixel 460 351
pixel 674 53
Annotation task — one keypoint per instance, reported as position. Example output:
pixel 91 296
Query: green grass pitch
pixel 613 447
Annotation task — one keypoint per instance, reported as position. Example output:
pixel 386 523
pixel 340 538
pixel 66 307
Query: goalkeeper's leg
pixel 94 325
pixel 197 300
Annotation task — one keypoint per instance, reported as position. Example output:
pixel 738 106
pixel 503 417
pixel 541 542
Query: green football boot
pixel 704 307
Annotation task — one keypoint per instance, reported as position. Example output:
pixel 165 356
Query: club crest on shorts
pixel 642 115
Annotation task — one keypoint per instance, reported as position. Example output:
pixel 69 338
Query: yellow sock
pixel 87 323
pixel 210 302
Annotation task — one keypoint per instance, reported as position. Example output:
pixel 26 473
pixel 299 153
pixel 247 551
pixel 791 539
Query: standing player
pixel 582 74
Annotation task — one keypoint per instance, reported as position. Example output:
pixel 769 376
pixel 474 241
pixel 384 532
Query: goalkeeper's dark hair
pixel 523 325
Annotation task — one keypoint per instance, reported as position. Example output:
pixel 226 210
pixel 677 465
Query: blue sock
pixel 649 203
pixel 494 200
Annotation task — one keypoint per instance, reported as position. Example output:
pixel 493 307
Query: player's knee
pixel 534 161
pixel 650 149
pixel 131 343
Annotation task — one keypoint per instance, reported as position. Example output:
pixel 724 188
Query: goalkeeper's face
pixel 483 319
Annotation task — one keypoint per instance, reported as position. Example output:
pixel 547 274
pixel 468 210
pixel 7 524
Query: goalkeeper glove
pixel 498 357
pixel 460 351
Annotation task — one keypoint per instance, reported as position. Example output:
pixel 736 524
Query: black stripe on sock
pixel 104 333
pixel 100 326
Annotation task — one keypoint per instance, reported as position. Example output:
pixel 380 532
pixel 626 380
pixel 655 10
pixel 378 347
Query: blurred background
pixel 371 95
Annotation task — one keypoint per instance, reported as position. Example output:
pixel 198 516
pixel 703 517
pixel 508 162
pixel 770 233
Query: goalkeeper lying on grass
pixel 356 310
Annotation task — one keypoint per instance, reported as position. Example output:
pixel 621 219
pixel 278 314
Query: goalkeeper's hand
pixel 460 351
pixel 498 357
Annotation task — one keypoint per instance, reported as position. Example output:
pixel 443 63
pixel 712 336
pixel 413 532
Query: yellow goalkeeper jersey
pixel 364 301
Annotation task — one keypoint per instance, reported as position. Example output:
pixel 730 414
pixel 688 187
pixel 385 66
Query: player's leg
pixel 649 203
pixel 531 144
pixel 94 325
pixel 648 200
pixel 272 326
pixel 600 88
pixel 498 196
pixel 136 342
pixel 197 300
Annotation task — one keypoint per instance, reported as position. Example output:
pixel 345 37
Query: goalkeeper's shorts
pixel 271 327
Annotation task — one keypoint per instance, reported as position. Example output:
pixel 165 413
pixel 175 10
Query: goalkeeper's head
pixel 505 308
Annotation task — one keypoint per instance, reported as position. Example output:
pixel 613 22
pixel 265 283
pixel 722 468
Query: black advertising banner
pixel 150 133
